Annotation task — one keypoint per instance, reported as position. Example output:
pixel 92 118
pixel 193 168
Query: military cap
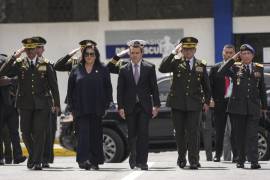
pixel 29 43
pixel 189 42
pixel 136 43
pixel 83 43
pixel 247 47
pixel 40 40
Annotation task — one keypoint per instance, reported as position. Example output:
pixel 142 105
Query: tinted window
pixel 251 8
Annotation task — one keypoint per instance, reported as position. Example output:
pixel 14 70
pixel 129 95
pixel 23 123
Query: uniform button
pixel 33 93
pixel 32 86
pixel 187 86
pixel 186 94
pixel 247 96
pixel 32 74
pixel 248 90
pixel 188 80
pixel 248 84
pixel 189 74
pixel 248 78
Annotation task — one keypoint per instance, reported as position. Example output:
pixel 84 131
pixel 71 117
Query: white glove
pixel 122 53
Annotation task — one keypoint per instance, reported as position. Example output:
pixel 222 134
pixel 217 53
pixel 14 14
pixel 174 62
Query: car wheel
pixel 113 146
pixel 263 145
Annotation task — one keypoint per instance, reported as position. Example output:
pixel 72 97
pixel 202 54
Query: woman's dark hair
pixel 97 54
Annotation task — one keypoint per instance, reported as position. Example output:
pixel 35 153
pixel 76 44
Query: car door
pixel 161 128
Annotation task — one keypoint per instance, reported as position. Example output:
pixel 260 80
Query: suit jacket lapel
pixel 130 70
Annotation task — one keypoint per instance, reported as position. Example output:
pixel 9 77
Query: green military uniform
pixel 36 84
pixel 190 89
pixel 245 104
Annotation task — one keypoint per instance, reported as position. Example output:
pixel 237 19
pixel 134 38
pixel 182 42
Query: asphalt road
pixel 161 166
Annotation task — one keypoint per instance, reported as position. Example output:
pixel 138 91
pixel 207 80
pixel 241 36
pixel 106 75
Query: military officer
pixel 247 101
pixel 36 83
pixel 190 92
pixel 67 62
pixel 48 155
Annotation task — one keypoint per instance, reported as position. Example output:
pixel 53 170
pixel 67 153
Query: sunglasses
pixel 92 54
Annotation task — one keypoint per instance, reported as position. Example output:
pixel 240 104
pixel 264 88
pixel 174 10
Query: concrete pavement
pixel 161 166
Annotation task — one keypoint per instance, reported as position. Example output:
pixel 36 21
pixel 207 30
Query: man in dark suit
pixel 36 83
pixel 190 93
pixel 221 87
pixel 246 103
pixel 136 90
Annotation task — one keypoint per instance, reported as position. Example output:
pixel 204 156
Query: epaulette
pixel 201 61
pixel 113 61
pixel 258 64
pixel 238 63
pixel 177 56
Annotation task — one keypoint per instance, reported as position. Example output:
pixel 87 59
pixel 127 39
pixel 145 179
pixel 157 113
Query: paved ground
pixel 162 166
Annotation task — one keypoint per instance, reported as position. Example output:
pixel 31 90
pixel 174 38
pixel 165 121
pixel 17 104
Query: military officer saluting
pixel 36 83
pixel 246 102
pixel 67 62
pixel 190 93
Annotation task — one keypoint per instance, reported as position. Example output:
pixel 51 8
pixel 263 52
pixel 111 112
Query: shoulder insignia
pixel 238 63
pixel 177 57
pixel 258 64
pixel 201 61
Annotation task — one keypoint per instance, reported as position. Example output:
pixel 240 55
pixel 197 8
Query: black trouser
pixel 220 124
pixel 48 154
pixel 246 128
pixel 6 151
pixel 10 118
pixel 138 133
pixel 207 129
pixel 34 124
pixel 186 125
pixel 90 141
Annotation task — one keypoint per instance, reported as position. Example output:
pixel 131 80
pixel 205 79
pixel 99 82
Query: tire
pixel 263 144
pixel 113 146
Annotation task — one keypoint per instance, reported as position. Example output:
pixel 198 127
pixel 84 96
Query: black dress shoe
pixel 216 159
pixel 132 161
pixel 1 162
pixel 181 163
pixel 193 166
pixel 45 165
pixel 37 167
pixel 255 166
pixel 235 159
pixel 240 165
pixel 144 167
pixel 19 160
pixel 30 165
pixel 199 165
pixel 85 165
pixel 8 161
pixel 95 167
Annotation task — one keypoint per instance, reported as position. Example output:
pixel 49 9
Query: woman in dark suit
pixel 89 95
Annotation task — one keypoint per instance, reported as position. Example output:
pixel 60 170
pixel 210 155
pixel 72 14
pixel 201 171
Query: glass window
pixel 251 8
pixel 26 11
pixel 164 89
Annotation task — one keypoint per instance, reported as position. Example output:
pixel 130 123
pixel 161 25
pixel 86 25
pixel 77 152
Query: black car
pixel 160 129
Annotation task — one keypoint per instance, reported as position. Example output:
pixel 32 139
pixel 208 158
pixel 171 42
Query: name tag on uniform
pixel 199 69
pixel 42 68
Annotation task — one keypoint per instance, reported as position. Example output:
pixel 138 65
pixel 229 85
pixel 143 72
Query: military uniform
pixel 115 64
pixel 36 84
pixel 190 89
pixel 245 104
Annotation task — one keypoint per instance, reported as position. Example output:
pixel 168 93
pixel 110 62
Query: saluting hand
pixel 122 53
pixel 236 57
pixel 74 51
pixel 177 49
pixel 122 113
pixel 19 52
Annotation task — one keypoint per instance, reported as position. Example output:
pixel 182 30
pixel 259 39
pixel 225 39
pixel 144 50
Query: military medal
pixel 199 69
pixel 257 74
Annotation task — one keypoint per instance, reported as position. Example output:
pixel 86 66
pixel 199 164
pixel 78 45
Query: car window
pixel 164 89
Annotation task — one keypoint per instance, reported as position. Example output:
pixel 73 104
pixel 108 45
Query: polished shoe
pixel 193 166
pixel 181 163
pixel 144 167
pixel 19 160
pixel 132 162
pixel 240 165
pixel 8 161
pixel 95 167
pixel 255 166
pixel 216 159
pixel 30 165
pixel 1 162
pixel 235 159
pixel 85 165
pixel 45 165
pixel 37 167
